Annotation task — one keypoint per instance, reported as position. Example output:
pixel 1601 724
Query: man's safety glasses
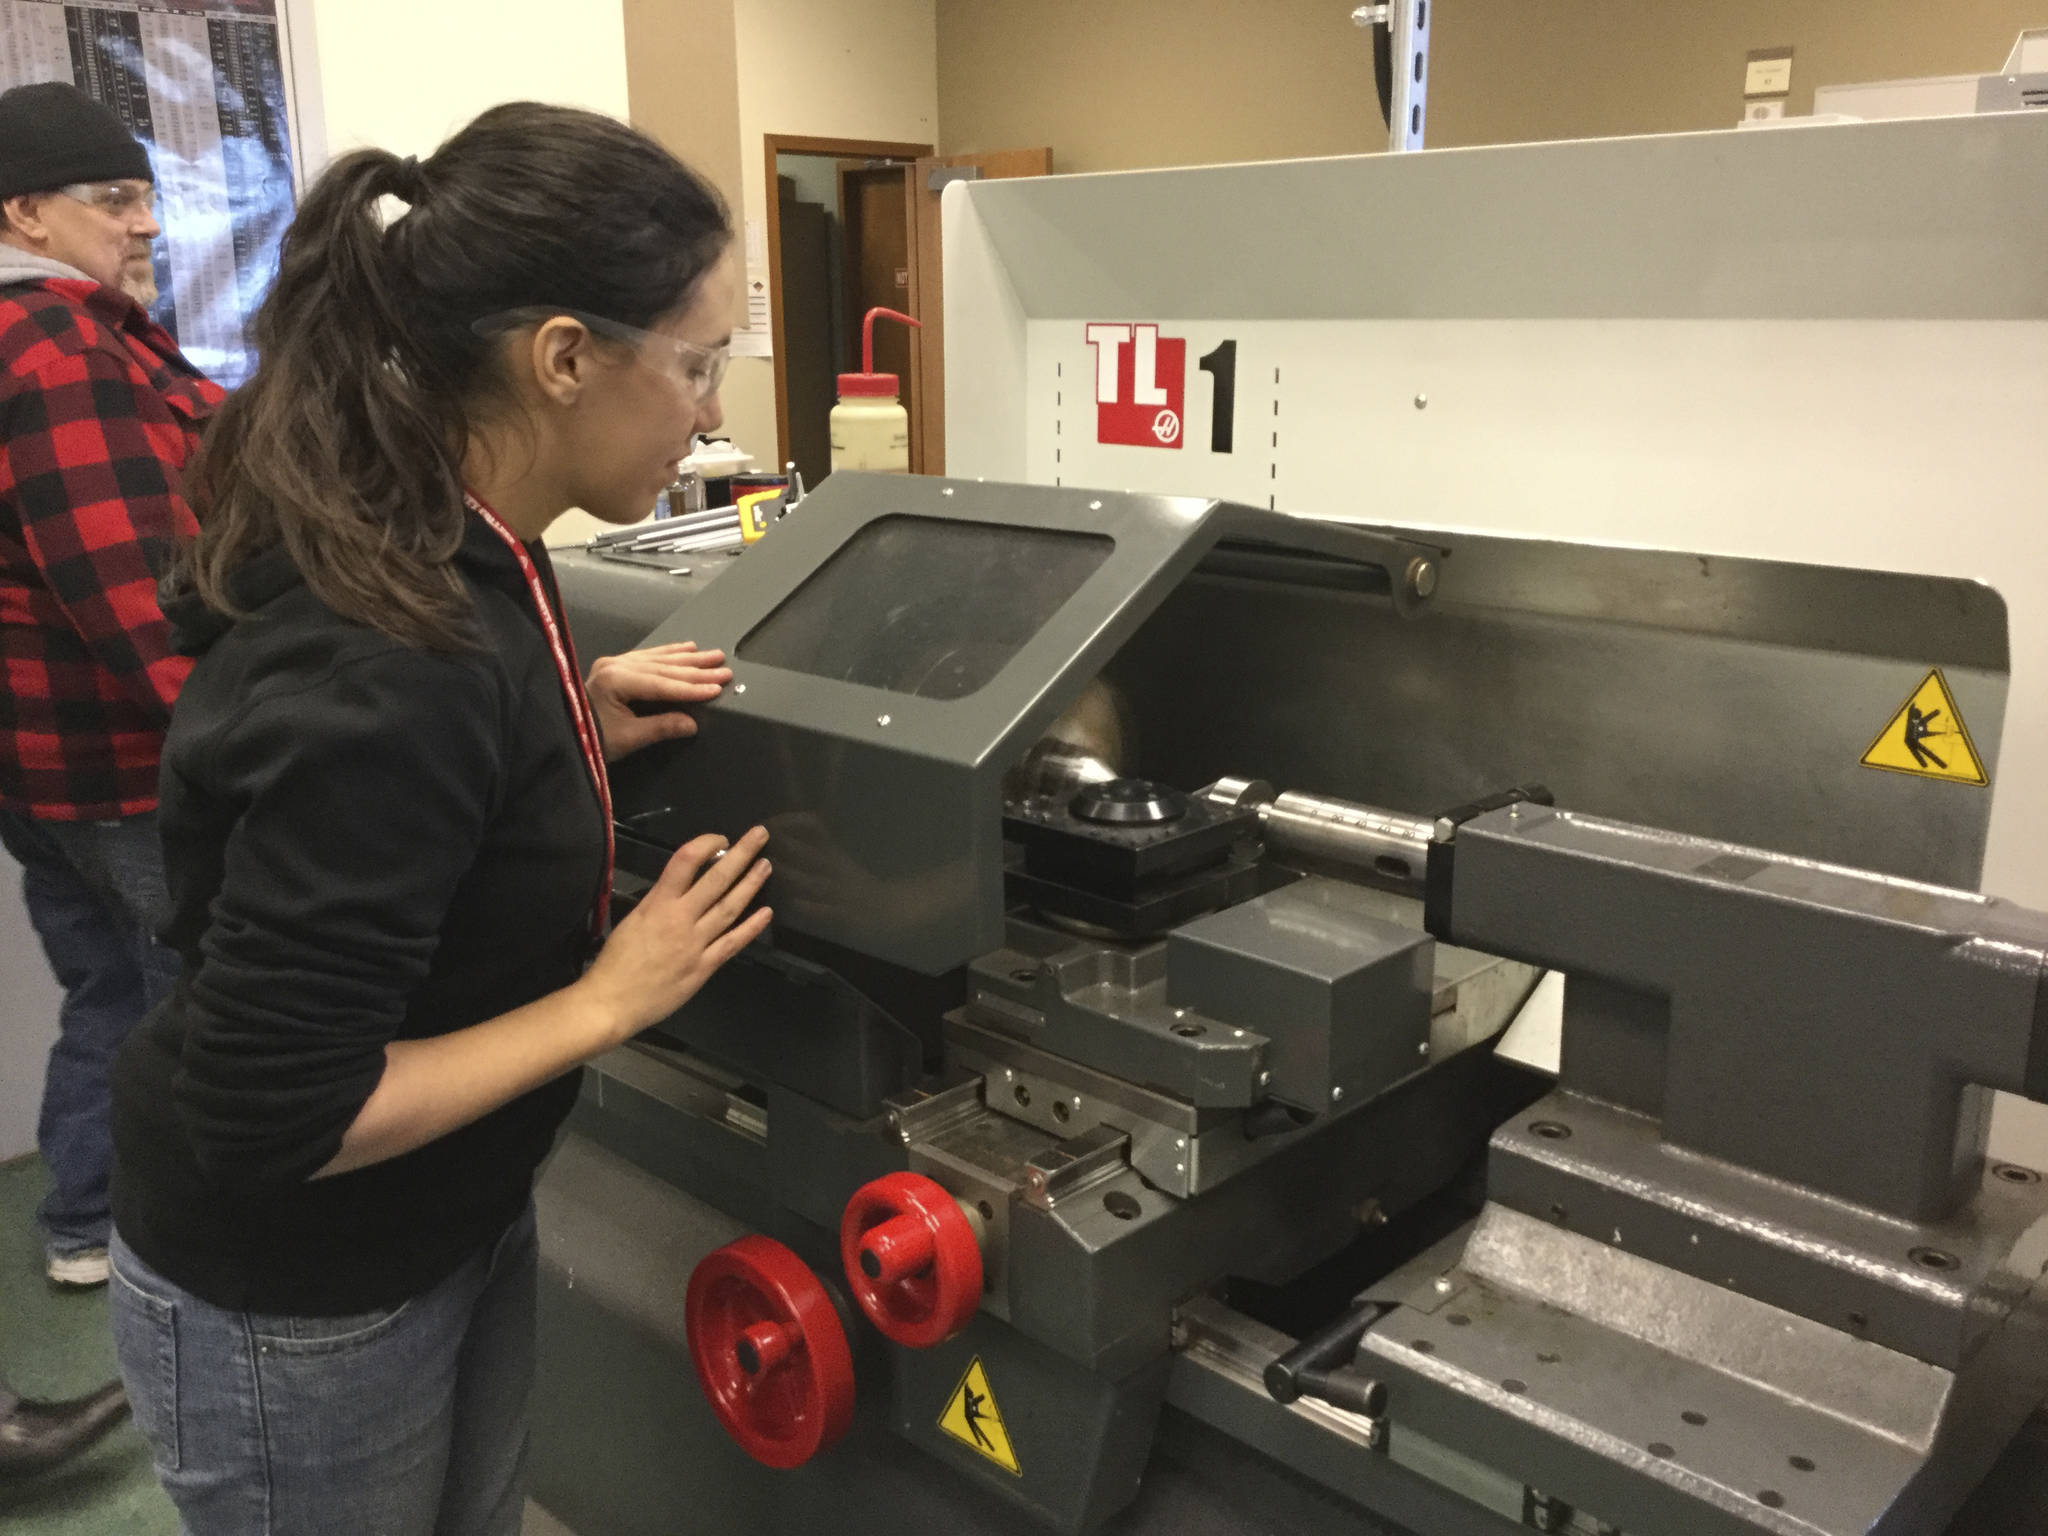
pixel 120 199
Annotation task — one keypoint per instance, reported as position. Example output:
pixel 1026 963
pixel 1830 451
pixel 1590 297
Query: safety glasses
pixel 696 370
pixel 119 199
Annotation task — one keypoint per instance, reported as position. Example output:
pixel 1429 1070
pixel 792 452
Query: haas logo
pixel 1140 385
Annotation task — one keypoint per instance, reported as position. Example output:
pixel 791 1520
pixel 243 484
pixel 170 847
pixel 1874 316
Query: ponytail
pixel 344 449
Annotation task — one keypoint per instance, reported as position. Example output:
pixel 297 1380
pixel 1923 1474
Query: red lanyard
pixel 571 678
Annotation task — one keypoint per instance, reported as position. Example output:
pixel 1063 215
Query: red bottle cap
pixel 877 384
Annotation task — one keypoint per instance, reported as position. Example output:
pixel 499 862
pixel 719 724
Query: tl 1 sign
pixel 1141 387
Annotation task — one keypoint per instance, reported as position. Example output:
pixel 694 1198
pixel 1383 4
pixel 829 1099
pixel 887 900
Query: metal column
pixel 1407 22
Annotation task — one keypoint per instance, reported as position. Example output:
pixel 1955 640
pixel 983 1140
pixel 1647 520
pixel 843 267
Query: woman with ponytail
pixel 387 824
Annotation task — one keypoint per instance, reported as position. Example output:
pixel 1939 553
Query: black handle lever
pixel 1319 1366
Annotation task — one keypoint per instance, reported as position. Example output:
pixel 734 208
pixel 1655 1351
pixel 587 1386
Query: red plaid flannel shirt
pixel 98 413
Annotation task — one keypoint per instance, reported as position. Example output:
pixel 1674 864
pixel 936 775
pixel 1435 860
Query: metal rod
pixel 1392 847
pixel 671 540
pixel 668 527
pixel 702 544
pixel 1388 846
pixel 715 538
pixel 701 515
pixel 679 527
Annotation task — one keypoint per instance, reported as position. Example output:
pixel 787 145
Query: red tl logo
pixel 1140 385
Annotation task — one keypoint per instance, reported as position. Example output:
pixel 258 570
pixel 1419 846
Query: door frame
pixel 775 145
pixel 928 345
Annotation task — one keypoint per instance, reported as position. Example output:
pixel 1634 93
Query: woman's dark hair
pixel 344 448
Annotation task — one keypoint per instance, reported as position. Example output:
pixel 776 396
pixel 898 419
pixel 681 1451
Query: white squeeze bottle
pixel 870 428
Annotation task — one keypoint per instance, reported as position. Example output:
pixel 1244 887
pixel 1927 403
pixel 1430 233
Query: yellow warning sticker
pixel 1927 737
pixel 972 1418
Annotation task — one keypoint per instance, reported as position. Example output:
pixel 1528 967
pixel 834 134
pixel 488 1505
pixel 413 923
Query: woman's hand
pixel 670 675
pixel 685 928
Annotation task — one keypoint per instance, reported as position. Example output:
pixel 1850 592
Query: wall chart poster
pixel 202 84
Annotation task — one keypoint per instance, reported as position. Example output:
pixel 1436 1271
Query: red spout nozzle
pixel 867 334
pixel 867 381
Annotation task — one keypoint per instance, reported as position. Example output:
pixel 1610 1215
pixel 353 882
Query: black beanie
pixel 53 135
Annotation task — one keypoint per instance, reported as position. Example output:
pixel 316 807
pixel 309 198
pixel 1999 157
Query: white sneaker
pixel 81 1270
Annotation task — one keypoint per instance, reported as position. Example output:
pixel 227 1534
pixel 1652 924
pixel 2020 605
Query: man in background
pixel 99 412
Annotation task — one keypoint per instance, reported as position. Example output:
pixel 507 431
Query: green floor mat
pixel 55 1344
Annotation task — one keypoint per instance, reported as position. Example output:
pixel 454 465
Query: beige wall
pixel 456 58
pixel 1115 86
pixel 408 99
pixel 1188 82
pixel 860 69
pixel 1508 70
pixel 682 83
pixel 682 79
pixel 711 78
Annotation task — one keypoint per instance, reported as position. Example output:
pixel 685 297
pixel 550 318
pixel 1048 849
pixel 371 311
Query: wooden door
pixel 928 367
pixel 810 352
pixel 873 153
pixel 875 206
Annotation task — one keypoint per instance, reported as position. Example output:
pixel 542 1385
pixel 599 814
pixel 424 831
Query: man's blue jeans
pixel 95 892
pixel 406 1421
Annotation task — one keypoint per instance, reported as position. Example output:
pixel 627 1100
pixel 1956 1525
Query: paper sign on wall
pixel 757 337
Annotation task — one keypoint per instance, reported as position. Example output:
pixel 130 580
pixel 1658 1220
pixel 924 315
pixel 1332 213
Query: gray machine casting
pixel 1213 1065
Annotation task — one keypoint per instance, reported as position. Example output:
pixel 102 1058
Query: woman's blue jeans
pixel 407 1421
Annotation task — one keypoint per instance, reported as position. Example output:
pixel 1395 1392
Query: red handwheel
pixel 912 1258
pixel 770 1352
